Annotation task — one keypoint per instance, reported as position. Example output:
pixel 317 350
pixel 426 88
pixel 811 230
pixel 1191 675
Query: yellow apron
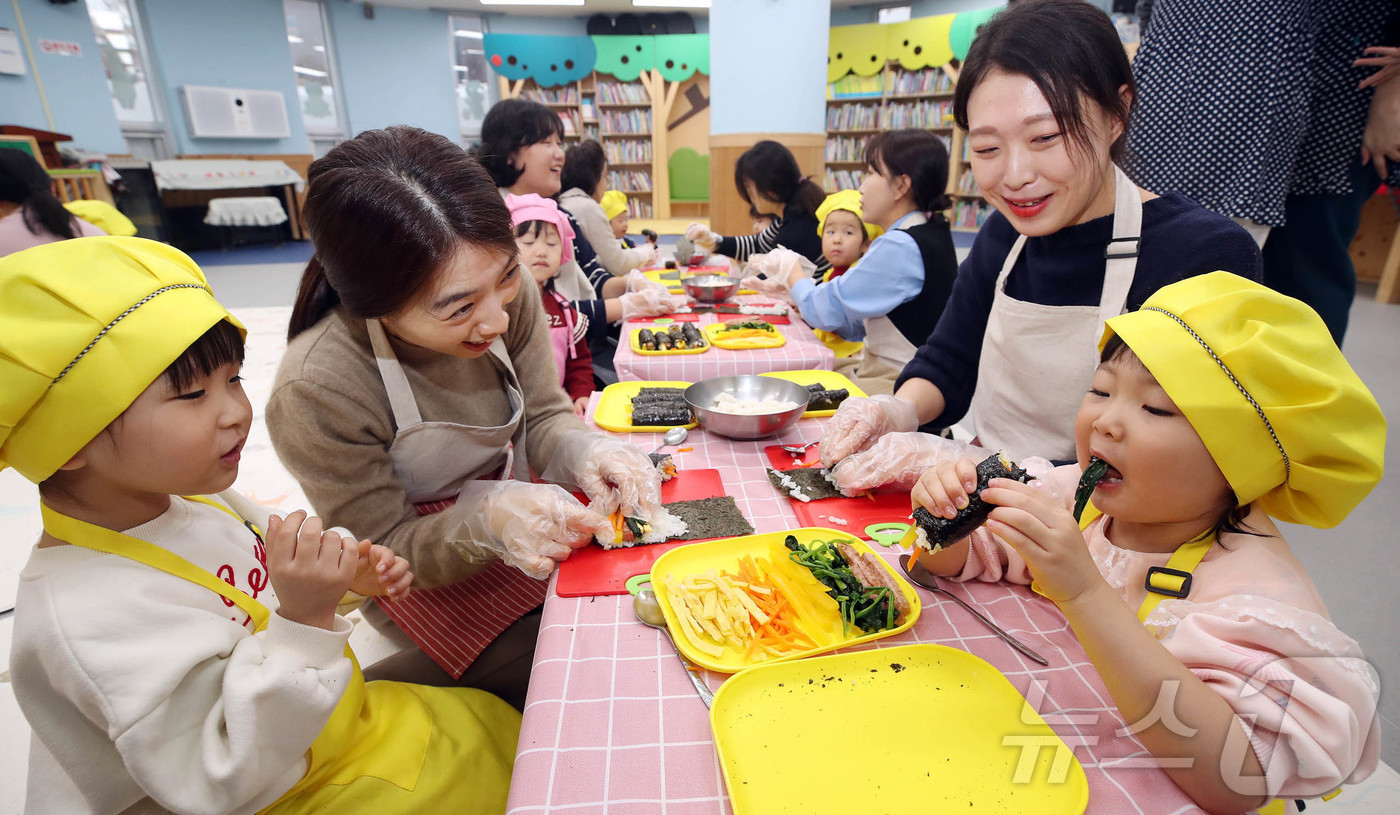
pixel 388 746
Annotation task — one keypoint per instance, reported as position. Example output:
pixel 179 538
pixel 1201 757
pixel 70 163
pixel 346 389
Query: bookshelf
pixel 858 107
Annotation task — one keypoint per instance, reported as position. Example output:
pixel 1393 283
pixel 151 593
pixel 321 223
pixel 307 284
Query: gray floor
pixel 1356 566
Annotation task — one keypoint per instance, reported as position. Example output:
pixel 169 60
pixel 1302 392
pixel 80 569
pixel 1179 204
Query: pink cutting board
pixel 593 571
pixel 852 514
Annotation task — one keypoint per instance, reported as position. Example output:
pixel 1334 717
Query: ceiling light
pixel 294 38
pixel 668 3
pixel 309 71
pixel 318 48
pixel 531 2
pixel 462 32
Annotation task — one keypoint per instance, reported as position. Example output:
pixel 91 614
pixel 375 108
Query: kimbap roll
pixel 827 400
pixel 934 532
pixel 692 335
pixel 660 414
pixel 663 341
pixel 678 337
pixel 646 339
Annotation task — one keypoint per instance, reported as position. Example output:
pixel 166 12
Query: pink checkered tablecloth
pixel 612 724
pixel 802 352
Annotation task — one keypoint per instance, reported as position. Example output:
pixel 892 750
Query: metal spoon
pixel 798 449
pixel 674 436
pixel 648 610
pixel 923 577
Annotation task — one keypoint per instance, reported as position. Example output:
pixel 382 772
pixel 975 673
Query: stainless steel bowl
pixel 701 398
pixel 711 288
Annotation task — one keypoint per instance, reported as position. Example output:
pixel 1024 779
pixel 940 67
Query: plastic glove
pixel 858 423
pixel 898 459
pixel 782 264
pixel 637 281
pixel 612 473
pixel 702 236
pixel 650 302
pixel 529 526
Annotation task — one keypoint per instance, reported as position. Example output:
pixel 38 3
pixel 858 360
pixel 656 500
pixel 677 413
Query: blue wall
pixel 76 87
pixel 768 66
pixel 396 68
pixel 227 45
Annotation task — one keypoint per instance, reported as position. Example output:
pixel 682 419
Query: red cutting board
pixel 771 319
pixel 679 318
pixel 889 505
pixel 593 571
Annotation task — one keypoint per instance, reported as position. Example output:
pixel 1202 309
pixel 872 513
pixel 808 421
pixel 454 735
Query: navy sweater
pixel 596 310
pixel 1179 240
pixel 794 231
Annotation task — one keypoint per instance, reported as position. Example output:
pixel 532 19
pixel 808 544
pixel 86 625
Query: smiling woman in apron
pixel 1045 96
pixel 418 394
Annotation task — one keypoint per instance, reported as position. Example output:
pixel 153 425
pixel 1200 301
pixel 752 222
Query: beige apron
pixel 434 460
pixel 887 350
pixel 1038 361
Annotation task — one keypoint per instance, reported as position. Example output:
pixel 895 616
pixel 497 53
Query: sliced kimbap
pixel 827 399
pixel 934 532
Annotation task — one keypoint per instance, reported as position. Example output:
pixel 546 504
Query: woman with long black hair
pixel 30 214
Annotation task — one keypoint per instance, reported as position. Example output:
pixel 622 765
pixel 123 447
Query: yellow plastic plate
pixel 615 407
pixel 832 380
pixel 906 730
pixel 637 348
pixel 823 624
pixel 716 334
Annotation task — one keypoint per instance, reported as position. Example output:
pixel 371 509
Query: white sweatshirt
pixel 146 690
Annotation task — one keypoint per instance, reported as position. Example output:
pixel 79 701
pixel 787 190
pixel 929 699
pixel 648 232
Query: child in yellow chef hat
pixel 845 237
pixel 614 204
pixel 175 647
pixel 1218 407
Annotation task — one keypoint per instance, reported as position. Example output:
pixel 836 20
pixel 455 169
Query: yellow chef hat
pixel 614 203
pixel 102 215
pixel 1257 374
pixel 85 326
pixel 848 200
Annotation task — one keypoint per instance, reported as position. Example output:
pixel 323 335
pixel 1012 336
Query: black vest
pixel 916 318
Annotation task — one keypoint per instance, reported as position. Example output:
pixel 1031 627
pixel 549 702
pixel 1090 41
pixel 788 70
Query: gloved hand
pixel 614 474
pixel 529 526
pixel 650 302
pixel 898 459
pixel 858 423
pixel 637 281
pixel 701 236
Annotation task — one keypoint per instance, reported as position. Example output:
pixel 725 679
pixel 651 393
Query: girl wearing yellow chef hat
pixel 176 648
pixel 1218 407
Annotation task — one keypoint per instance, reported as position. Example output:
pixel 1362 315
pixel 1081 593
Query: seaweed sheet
pixel 710 518
pixel 812 483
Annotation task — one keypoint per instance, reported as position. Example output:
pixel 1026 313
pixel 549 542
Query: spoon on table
pixel 674 436
pixel 798 449
pixel 648 610
pixel 923 577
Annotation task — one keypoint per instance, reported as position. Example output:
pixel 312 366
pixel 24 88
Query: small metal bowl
pixel 701 398
pixel 711 288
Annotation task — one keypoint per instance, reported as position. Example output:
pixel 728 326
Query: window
pixel 476 87
pixel 128 73
pixel 321 109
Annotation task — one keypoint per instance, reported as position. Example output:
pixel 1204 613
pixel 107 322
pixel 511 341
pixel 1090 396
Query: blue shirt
pixel 1180 239
pixel 890 273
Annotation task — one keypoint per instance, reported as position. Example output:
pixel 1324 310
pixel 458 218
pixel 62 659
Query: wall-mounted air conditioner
pixel 231 113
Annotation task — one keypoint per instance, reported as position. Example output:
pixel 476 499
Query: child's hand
pixel 1039 527
pixel 381 573
pixel 310 570
pixel 581 406
pixel 944 489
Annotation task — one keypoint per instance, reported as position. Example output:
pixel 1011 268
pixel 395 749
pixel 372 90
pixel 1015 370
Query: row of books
pixel 638 208
pixel 971 214
pixel 628 151
pixel 929 80
pixel 967 184
pixel 837 180
pixel 562 95
pixel 845 148
pixel 898 82
pixel 853 117
pixel 622 93
pixel 626 121
pixel 853 86
pixel 630 180
pixel 923 113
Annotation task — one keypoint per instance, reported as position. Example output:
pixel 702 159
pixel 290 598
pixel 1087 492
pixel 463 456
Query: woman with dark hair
pixel 893 296
pixel 770 182
pixel 1044 96
pixel 584 182
pixel 30 214
pixel 418 393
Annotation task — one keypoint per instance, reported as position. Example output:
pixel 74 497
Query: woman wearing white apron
pixel 1072 242
pixel 418 394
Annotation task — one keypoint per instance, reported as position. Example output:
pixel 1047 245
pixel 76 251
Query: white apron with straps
pixel 433 460
pixel 1037 361
pixel 885 345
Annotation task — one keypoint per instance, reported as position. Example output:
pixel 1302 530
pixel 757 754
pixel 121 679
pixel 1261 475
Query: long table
pixel 612 724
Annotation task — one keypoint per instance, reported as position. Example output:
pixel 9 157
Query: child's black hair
pixel 1231 519
pixel 24 181
pixel 918 154
pixel 509 125
pixel 584 164
pixel 532 228
pixel 217 347
pixel 775 176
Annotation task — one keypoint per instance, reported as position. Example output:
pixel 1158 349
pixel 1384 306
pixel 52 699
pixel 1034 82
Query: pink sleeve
pixel 1301 682
pixel 989 559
